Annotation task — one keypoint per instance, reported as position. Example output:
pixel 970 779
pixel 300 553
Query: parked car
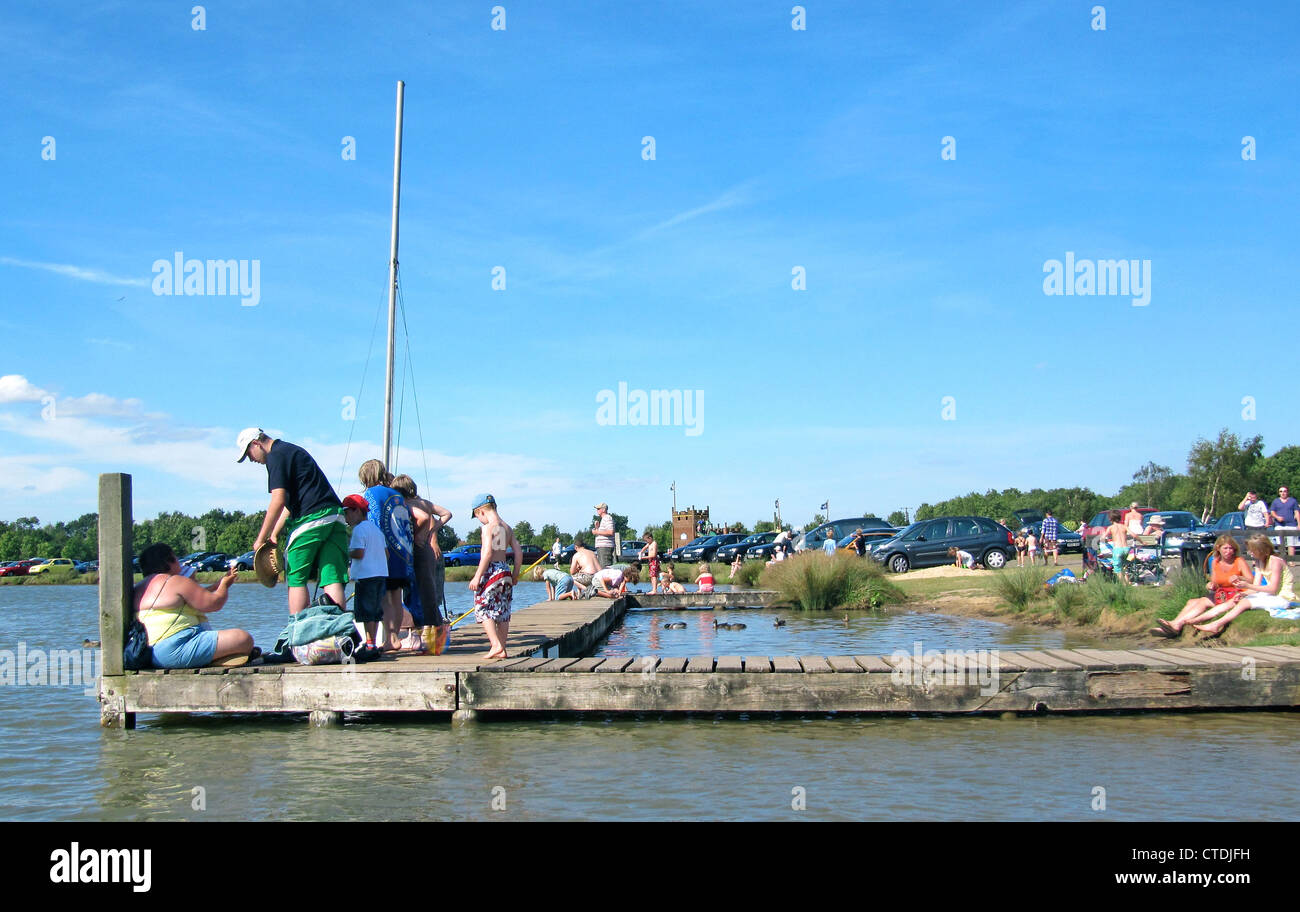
pixel 1068 542
pixel 838 528
pixel 631 549
pixel 462 555
pixel 1178 525
pixel 54 563
pixel 214 561
pixel 16 568
pixel 87 566
pixel 244 561
pixel 531 554
pixel 676 553
pixel 728 553
pixel 707 549
pixel 926 543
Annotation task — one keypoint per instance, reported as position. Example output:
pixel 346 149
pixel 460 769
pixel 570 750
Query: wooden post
pixel 115 584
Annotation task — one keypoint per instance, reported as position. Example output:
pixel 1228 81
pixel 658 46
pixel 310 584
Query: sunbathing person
pixel 1225 566
pixel 174 609
pixel 1271 589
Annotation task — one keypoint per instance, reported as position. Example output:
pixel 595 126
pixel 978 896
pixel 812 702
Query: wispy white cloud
pixel 97 276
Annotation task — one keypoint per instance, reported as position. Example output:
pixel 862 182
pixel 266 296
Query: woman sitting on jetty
pixel 173 609
pixel 1226 566
pixel 1271 589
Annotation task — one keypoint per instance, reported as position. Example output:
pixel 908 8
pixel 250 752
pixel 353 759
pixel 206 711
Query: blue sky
pixel 774 148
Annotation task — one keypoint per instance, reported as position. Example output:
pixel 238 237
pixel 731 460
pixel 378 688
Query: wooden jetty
pixel 739 598
pixel 550 670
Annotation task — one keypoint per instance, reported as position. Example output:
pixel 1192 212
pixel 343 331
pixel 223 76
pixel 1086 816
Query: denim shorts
pixel 192 647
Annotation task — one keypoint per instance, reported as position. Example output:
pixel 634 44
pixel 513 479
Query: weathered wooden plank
pixel 1079 660
pixel 1108 658
pixel 758 664
pixel 1056 691
pixel 643 665
pixel 815 665
pixel 1243 652
pixel 588 664
pixel 1135 659
pixel 1275 651
pixel 1181 657
pixel 873 663
pixel 322 690
pixel 1205 656
pixel 671 664
pixel 530 664
pixel 1033 660
pixel 699 664
pixel 505 664
pixel 116 583
pixel 558 664
pixel 844 665
pixel 729 664
pixel 786 665
pixel 614 664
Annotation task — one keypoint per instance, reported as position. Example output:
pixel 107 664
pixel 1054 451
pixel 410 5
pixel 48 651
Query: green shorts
pixel 317 549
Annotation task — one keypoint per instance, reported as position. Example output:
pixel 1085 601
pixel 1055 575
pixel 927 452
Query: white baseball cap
pixel 247 436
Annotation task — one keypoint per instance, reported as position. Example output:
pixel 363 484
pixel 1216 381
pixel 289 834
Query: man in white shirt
pixel 1256 511
pixel 604 533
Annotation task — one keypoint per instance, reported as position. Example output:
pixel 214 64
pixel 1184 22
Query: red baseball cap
pixel 356 502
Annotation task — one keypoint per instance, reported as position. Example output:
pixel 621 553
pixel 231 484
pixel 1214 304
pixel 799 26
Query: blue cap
pixel 483 500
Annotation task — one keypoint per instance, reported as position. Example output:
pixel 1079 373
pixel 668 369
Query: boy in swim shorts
pixel 559 585
pixel 494 580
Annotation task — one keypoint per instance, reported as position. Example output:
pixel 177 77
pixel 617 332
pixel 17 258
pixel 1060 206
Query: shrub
pixel 819 582
pixel 1113 594
pixel 1069 598
pixel 749 573
pixel 1182 587
pixel 1020 586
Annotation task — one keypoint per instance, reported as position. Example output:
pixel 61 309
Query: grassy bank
pixel 1100 606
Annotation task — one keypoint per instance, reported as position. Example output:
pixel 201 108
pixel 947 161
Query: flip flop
pixel 1167 627
pixel 1161 632
pixel 233 661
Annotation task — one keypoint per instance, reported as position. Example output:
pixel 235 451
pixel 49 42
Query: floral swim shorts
pixel 495 591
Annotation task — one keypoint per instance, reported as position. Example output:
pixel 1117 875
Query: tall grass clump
pixel 750 570
pixel 1018 587
pixel 1110 593
pixel 1069 599
pixel 819 582
pixel 1181 587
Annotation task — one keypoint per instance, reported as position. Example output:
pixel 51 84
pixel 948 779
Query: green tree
pixel 764 525
pixel 475 537
pixel 898 518
pixel 550 532
pixel 1221 469
pixel 1282 469
pixel 525 534
pixel 447 538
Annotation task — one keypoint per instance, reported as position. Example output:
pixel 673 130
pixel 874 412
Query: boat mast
pixel 392 286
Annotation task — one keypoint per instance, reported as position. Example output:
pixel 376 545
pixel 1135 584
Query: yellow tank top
pixel 160 623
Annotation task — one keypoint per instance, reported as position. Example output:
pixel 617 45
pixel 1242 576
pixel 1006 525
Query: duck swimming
pixel 679 625
pixel 778 622
pixel 89 644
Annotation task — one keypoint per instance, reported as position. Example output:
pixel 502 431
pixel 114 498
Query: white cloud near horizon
pixel 98 276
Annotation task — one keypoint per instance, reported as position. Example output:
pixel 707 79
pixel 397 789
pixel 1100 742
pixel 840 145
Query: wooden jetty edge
pixel 548 673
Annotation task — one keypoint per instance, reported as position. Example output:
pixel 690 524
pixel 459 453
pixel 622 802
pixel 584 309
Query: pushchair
pixel 1142 566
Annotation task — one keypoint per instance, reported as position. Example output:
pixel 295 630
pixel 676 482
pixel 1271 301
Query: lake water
pixel 56 763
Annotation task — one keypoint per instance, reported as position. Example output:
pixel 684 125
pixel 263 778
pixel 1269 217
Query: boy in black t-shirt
pixel 305 508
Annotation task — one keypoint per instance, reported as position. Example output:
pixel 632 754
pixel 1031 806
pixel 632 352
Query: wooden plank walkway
pixel 1057 680
pixel 545 670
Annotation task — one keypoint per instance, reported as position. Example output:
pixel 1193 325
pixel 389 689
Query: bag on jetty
pixel 314 636
pixel 137 654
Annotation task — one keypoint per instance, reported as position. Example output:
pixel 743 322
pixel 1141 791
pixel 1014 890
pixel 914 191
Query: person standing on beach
pixel 305 508
pixel 1256 512
pixel 1051 532
pixel 556 551
pixel 604 534
pixel 494 580
pixel 1133 519
pixel 1283 513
